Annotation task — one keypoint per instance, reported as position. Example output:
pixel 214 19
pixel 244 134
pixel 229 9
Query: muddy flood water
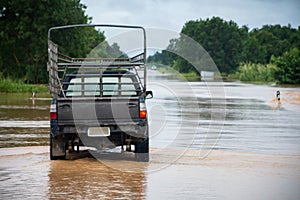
pixel 207 141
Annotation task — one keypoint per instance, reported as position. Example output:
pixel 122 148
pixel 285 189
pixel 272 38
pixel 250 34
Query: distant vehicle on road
pixel 153 67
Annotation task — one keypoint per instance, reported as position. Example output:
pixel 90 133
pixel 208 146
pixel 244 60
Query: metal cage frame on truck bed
pixel 61 66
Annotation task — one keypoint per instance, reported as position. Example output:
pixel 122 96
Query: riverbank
pixel 8 85
pixel 192 77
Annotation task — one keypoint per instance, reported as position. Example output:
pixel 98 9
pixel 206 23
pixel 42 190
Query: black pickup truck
pixel 98 102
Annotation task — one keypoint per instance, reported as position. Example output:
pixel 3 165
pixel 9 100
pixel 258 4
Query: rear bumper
pixel 100 123
pixel 135 129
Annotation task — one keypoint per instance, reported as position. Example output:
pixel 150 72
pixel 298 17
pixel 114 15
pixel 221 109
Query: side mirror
pixel 149 94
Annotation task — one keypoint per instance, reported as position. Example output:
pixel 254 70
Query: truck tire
pixel 142 151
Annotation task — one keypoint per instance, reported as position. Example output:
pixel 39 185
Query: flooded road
pixel 23 122
pixel 208 141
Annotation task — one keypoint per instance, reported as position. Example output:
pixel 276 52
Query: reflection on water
pixel 246 118
pixel 32 175
pixel 20 107
pixel 89 179
pixel 24 173
pixel 20 136
pixel 27 173
pixel 23 123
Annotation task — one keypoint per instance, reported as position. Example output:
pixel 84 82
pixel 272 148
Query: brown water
pixel 27 173
pixel 207 142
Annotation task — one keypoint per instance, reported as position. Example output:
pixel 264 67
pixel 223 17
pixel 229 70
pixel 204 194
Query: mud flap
pixel 58 148
pixel 142 151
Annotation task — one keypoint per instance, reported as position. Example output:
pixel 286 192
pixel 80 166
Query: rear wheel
pixel 142 151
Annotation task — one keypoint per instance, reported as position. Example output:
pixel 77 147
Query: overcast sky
pixel 172 14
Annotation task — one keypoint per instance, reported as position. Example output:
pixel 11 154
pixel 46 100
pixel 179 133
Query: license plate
pixel 98 132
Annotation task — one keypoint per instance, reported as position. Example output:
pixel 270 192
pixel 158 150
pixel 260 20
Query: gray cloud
pixel 172 14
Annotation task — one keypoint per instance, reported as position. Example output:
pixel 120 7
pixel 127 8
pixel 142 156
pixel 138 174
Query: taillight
pixel 143 111
pixel 53 115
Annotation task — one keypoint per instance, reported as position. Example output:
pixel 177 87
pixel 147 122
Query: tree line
pixel 231 46
pixel 23 36
pixel 23 41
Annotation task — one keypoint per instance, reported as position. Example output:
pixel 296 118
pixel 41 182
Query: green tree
pixel 223 40
pixel 167 56
pixel 288 67
pixel 270 40
pixel 231 46
pixel 23 35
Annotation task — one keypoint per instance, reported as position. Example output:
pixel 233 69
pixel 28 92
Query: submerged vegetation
pixel 14 86
pixel 256 72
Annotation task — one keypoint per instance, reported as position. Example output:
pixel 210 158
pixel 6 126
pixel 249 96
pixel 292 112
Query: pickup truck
pixel 97 102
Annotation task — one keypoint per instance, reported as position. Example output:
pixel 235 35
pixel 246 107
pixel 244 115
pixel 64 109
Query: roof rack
pixel 60 66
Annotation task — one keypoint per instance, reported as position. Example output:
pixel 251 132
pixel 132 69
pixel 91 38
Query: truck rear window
pixel 111 86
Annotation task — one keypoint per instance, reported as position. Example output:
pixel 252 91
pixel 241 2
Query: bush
pixel 288 67
pixel 13 86
pixel 256 72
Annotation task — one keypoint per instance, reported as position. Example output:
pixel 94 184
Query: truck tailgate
pixel 102 110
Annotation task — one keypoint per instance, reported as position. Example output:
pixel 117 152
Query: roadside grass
pixel 17 86
pixel 247 73
pixel 190 76
pixel 250 72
